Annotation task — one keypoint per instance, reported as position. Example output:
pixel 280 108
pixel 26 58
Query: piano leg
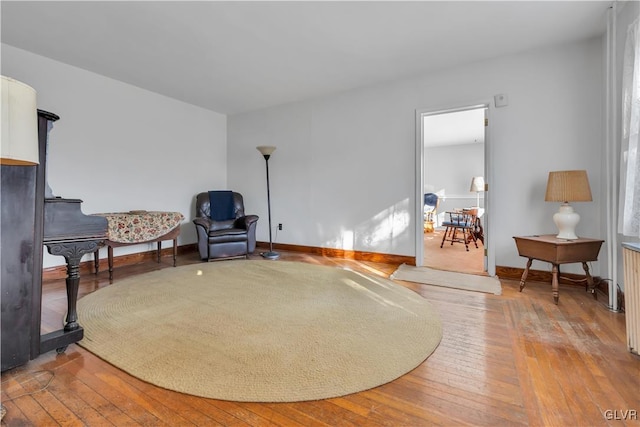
pixel 72 282
pixel 72 332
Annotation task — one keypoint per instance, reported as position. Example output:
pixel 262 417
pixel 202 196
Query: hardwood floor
pixel 514 359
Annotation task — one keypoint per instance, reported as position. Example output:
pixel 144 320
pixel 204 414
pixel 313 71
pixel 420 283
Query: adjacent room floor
pixel 452 257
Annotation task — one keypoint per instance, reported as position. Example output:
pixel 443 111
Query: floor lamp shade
pixel 565 187
pixel 19 124
pixel 266 151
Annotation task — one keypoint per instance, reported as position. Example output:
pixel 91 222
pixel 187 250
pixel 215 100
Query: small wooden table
pixel 558 251
pixel 139 227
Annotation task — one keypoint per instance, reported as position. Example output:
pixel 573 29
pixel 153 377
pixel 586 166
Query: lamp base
pixel 566 220
pixel 270 255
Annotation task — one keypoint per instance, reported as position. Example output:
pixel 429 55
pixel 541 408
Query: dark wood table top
pixel 548 247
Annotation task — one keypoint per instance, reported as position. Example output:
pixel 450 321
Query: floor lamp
pixel 266 151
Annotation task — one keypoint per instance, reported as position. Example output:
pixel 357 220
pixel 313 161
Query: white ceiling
pixel 239 56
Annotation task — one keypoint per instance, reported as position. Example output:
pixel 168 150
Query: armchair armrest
pixel 203 222
pixel 245 221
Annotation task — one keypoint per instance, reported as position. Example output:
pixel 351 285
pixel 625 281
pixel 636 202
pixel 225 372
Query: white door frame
pixel 489 254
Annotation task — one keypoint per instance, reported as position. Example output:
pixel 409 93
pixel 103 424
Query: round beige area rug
pixel 260 331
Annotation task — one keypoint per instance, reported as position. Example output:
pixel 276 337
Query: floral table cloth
pixel 140 226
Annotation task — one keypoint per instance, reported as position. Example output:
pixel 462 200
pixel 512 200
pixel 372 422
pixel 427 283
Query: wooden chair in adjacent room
pixel 464 222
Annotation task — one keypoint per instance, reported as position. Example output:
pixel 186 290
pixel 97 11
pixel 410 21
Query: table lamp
pixel 477 185
pixel 565 187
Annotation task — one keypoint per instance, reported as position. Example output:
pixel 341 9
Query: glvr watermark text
pixel 621 414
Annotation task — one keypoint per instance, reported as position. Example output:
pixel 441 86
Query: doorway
pixel 451 150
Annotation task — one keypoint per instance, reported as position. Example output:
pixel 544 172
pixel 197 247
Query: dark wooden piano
pixel 66 232
pixel 33 218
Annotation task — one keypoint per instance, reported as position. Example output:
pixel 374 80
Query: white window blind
pixel 630 179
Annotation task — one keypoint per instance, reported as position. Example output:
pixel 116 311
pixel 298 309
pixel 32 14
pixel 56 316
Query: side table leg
pixel 525 274
pixel 175 251
pixel 96 261
pixel 110 257
pixel 554 283
pixel 592 286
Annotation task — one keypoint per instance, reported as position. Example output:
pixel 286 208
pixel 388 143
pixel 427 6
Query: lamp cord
pixel 35 374
pixel 618 289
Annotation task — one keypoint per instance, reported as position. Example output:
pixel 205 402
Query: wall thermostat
pixel 501 100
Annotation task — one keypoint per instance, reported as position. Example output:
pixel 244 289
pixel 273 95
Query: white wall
pixel 118 147
pixel 448 170
pixel 343 173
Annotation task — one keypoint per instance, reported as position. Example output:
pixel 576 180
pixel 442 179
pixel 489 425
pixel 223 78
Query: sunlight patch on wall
pixel 381 232
pixel 343 240
pixel 347 240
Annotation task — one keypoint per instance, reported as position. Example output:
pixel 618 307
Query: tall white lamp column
pixel 266 151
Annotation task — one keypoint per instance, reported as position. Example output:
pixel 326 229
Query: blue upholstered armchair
pixel 223 229
pixel 431 202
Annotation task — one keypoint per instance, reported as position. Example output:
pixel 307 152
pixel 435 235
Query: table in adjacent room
pixel 557 251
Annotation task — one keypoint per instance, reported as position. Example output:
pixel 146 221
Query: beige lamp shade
pixel 266 150
pixel 477 184
pixel 568 186
pixel 19 124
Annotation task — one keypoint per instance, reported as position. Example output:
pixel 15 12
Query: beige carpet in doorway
pixel 260 331
pixel 430 276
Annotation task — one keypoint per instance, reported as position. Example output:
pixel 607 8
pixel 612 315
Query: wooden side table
pixel 558 251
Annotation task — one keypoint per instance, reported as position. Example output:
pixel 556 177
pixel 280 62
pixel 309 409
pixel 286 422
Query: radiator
pixel 632 295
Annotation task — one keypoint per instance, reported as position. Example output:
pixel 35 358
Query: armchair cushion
pixel 222 202
pixel 215 225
